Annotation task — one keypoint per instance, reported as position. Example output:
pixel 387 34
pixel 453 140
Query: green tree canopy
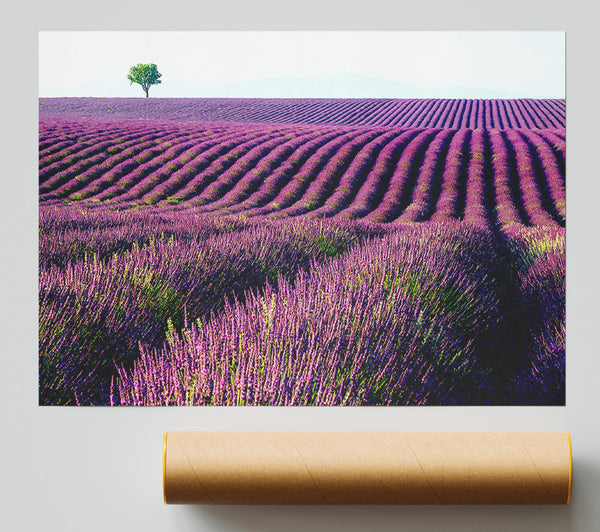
pixel 144 75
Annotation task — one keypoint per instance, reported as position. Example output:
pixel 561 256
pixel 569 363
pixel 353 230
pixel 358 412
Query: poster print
pixel 305 226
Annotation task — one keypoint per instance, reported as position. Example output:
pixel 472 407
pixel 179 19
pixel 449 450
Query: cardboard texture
pixel 367 467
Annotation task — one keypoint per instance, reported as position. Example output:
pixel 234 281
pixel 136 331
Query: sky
pixel 332 64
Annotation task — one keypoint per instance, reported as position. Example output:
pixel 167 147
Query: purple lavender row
pixel 376 114
pixel 93 313
pixel 385 113
pixel 55 145
pixel 84 133
pixel 328 178
pixel 520 117
pixel 535 114
pixel 125 175
pixel 444 112
pixel 94 166
pixel 66 129
pixel 351 115
pixel 556 140
pixel 400 321
pixel 505 182
pixel 470 119
pixel 130 183
pixel 465 116
pixel 552 171
pixel 266 167
pixel 428 116
pixel 450 203
pixel 398 110
pixel 496 119
pixel 66 162
pixel 476 207
pixel 69 232
pixel 414 114
pixel 50 129
pixel 297 184
pixel 514 174
pixel 218 169
pixel 397 196
pixel 475 114
pixel 451 117
pixel 528 180
pixel 149 183
pixel 276 180
pixel 243 165
pixel 99 170
pixel 371 158
pixel 429 179
pixel 540 259
pixel 374 184
pixel 554 112
pixel 178 173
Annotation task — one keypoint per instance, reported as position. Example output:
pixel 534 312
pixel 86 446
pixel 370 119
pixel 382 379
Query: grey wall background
pixel 97 469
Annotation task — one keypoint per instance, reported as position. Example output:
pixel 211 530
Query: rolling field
pixel 421 113
pixel 302 252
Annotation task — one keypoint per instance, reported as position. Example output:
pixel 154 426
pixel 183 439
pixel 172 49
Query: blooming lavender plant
pixel 94 312
pixel 405 319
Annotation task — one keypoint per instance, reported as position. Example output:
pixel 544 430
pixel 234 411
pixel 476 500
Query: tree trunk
pixel 146 91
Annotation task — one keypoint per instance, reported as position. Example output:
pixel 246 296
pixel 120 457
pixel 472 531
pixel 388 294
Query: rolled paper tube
pixel 367 467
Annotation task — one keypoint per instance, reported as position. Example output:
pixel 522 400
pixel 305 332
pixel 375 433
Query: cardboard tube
pixel 367 467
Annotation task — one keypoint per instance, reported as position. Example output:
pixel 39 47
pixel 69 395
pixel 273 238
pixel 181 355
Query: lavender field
pixel 301 252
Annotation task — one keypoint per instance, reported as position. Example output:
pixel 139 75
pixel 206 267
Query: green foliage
pixel 329 245
pixel 174 200
pixel 144 75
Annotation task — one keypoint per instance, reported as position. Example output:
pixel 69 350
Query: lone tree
pixel 145 75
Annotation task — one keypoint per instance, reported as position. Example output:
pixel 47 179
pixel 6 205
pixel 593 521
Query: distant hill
pixel 332 86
